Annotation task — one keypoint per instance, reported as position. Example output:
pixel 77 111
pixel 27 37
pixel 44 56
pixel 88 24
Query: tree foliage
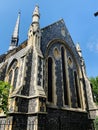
pixel 4 93
pixel 94 83
pixel 96 123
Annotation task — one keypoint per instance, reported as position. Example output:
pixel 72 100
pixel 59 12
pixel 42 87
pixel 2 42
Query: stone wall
pixel 3 72
pixel 64 120
pixel 56 31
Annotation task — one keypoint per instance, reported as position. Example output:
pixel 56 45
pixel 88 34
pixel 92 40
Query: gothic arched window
pixel 50 78
pixel 15 77
pixel 10 76
pixel 13 73
pixel 64 76
pixel 77 89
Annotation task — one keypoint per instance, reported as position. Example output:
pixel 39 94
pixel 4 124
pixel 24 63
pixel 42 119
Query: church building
pixel 50 89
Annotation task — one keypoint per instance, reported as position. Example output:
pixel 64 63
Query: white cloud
pixel 93 45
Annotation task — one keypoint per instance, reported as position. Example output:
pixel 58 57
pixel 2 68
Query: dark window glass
pixel 15 77
pixel 39 79
pixel 13 73
pixel 94 96
pixel 64 77
pixel 50 97
pixel 14 65
pixel 10 76
pixel 77 89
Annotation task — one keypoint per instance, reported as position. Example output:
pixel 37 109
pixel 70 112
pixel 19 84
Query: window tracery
pixel 70 63
pixel 56 53
pixel 13 73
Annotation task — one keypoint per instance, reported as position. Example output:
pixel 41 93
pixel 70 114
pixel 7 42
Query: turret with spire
pixel 79 49
pixel 34 40
pixel 34 33
pixel 15 35
pixel 36 15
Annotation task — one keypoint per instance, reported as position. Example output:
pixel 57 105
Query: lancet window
pixel 13 73
pixel 77 89
pixel 50 78
pixel 64 76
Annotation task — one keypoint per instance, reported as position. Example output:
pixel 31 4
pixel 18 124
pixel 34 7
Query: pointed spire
pixel 15 35
pixel 36 15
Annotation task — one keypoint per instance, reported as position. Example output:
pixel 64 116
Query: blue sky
pixel 78 16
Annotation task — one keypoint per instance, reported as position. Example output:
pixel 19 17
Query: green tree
pixel 96 123
pixel 94 83
pixel 4 94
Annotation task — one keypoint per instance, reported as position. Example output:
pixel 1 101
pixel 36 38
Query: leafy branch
pixel 4 94
pixel 94 83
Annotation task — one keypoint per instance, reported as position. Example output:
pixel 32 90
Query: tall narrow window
pixel 39 75
pixel 50 78
pixel 15 77
pixel 10 77
pixel 64 77
pixel 13 73
pixel 77 89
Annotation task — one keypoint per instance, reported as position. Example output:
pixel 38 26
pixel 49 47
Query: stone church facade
pixel 50 88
